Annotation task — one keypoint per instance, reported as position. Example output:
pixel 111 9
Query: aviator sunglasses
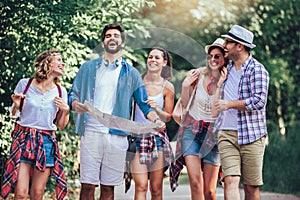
pixel 216 57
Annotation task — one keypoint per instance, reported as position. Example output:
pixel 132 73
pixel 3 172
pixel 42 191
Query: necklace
pixel 213 80
pixel 207 102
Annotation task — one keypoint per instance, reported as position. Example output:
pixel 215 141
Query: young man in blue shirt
pixel 108 83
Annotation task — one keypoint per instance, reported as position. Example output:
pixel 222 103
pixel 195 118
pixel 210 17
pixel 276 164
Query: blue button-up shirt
pixel 130 84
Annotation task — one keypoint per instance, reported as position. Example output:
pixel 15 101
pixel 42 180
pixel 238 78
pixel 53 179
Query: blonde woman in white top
pixel 34 153
pixel 202 166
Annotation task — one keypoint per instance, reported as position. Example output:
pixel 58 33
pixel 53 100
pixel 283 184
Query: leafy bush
pixel 282 160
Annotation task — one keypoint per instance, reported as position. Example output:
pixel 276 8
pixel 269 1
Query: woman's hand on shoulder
pixel 191 77
pixel 223 76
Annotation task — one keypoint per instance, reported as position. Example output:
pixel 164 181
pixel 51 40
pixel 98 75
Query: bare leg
pixel 231 188
pixel 156 177
pixel 193 164
pixel 87 191
pixel 251 192
pixel 22 184
pixel 107 192
pixel 39 181
pixel 140 176
pixel 210 175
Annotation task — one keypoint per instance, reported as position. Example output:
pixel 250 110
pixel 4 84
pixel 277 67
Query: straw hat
pixel 241 35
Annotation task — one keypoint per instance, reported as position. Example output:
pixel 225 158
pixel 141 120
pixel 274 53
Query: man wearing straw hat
pixel 243 130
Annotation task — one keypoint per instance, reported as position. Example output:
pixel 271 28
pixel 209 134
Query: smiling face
pixel 216 59
pixel 112 42
pixel 57 65
pixel 231 48
pixel 156 61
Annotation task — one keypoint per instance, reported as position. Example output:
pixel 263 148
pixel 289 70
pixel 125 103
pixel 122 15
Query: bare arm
pixel 153 117
pixel 187 88
pixel 223 76
pixel 227 104
pixel 63 113
pixel 16 98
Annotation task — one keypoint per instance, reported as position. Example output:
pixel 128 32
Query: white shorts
pixel 102 158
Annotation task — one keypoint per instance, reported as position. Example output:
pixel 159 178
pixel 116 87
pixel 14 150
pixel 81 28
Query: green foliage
pixel 282 159
pixel 73 27
pixel 28 28
pixel 279 42
pixel 275 24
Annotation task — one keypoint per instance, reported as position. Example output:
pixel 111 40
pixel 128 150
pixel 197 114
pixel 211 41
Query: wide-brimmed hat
pixel 219 42
pixel 241 35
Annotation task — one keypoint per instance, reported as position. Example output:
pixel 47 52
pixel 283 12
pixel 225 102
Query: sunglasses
pixel 230 41
pixel 216 57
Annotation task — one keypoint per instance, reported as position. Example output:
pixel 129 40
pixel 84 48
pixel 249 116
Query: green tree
pixel 275 24
pixel 30 27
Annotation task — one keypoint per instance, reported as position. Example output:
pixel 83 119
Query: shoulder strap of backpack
pixel 59 90
pixel 24 92
pixel 60 95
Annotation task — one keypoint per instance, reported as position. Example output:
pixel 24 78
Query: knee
pixel 141 187
pixel 251 190
pixel 107 190
pixel 232 180
pixel 36 194
pixel 21 194
pixel 87 189
pixel 195 185
pixel 210 194
pixel 156 191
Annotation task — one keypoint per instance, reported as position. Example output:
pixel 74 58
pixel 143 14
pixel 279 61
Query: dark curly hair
pixel 113 26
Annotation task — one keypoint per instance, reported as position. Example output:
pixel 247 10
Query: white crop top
pixel 159 98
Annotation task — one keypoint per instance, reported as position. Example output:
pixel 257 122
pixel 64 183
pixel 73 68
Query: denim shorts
pixel 48 148
pixel 158 143
pixel 195 145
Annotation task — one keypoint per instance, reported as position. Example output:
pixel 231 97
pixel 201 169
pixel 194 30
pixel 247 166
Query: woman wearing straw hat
pixel 196 147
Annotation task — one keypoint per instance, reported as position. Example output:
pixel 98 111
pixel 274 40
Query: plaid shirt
pixel 253 90
pixel 148 149
pixel 149 154
pixel 177 166
pixel 34 151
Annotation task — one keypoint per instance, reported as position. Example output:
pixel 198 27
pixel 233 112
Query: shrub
pixel 282 160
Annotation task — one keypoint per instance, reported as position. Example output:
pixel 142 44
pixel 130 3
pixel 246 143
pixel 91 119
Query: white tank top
pixel 139 116
pixel 201 106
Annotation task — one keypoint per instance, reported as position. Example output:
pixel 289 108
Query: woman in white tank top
pixel 202 160
pixel 154 153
